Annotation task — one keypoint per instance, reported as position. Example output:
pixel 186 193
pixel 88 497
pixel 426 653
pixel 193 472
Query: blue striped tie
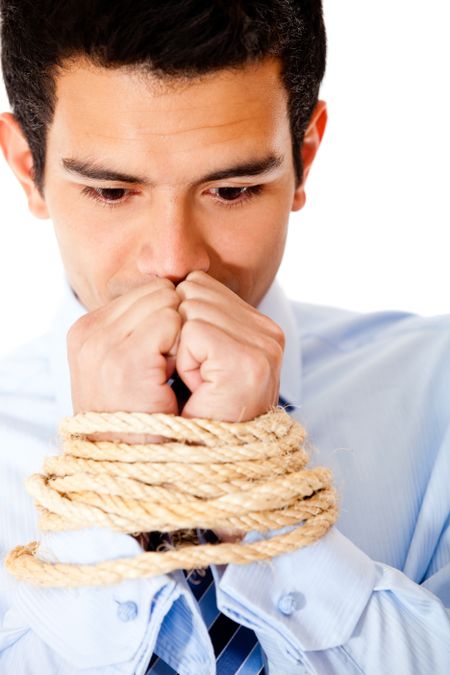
pixel 236 647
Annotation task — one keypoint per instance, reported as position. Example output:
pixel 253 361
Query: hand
pixel 122 354
pixel 229 354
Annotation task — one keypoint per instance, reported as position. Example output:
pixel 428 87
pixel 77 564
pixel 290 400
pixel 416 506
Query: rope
pixel 247 476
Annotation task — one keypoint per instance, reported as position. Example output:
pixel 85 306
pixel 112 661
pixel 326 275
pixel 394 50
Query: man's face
pixel 168 214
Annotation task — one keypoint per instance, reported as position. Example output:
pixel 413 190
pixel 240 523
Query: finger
pixel 158 334
pixel 137 369
pixel 120 304
pixel 251 327
pixel 222 306
pixel 203 286
pixel 102 336
pixel 112 310
pixel 142 308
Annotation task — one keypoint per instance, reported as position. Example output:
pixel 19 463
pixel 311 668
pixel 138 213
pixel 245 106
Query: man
pixel 168 142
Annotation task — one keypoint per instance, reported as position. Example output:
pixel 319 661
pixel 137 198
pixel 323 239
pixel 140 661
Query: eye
pixel 230 194
pixel 234 196
pixel 106 196
pixel 111 194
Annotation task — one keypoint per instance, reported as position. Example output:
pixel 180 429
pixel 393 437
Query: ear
pixel 17 153
pixel 311 142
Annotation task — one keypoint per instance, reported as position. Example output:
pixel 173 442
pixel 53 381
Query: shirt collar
pixel 274 304
pixel 69 311
pixel 278 307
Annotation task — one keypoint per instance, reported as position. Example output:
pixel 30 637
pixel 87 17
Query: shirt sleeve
pixel 94 628
pixel 329 608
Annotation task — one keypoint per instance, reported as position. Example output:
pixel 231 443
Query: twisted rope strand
pixel 210 433
pixel 261 521
pixel 24 563
pixel 180 452
pixel 155 475
pixel 278 494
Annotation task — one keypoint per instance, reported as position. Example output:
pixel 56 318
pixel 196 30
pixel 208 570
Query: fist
pixel 122 354
pixel 229 354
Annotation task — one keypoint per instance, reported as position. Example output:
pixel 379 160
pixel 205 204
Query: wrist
pixel 229 536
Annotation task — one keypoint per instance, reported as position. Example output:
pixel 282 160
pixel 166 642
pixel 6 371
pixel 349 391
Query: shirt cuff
pixel 95 626
pixel 312 597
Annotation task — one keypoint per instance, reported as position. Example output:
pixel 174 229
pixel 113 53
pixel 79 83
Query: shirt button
pixel 127 611
pixel 290 602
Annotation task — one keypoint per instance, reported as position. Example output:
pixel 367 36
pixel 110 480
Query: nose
pixel 173 243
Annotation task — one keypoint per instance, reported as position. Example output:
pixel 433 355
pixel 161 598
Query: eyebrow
pixel 95 171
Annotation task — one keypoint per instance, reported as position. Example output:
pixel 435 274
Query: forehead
pixel 125 111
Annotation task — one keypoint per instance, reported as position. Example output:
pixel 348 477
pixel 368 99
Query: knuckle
pixel 164 323
pixel 163 281
pixel 189 308
pixel 160 282
pixel 170 315
pixel 196 275
pixel 88 353
pixel 279 335
pixel 78 331
pixel 192 328
pixel 275 331
pixel 276 351
pixel 72 337
pixel 169 297
pixel 259 368
pixel 185 288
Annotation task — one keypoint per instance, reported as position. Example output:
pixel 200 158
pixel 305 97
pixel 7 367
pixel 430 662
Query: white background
pixel 375 231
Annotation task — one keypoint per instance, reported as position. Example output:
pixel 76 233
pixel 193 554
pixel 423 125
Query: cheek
pixel 268 249
pixel 78 226
pixel 253 256
pixel 263 242
pixel 89 252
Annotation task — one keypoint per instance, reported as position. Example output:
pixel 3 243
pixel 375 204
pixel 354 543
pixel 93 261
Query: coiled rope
pixel 249 476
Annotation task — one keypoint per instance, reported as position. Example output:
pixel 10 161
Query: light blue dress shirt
pixel 373 392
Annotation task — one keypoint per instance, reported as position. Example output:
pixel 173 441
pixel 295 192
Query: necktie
pixel 236 647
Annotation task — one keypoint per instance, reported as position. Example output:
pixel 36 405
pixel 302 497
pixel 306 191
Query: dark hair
pixel 172 38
